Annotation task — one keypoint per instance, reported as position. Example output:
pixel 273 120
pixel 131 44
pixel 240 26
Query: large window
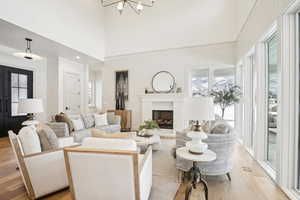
pixel 272 99
pixel 200 85
pixel 203 79
pixel 223 77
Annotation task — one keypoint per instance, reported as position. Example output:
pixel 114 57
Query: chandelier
pixel 137 6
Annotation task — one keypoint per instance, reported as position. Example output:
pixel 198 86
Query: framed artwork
pixel 122 87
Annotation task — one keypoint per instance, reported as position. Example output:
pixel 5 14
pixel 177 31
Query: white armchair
pixel 42 172
pixel 111 169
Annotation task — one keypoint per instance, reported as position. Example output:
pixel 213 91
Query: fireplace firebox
pixel 164 118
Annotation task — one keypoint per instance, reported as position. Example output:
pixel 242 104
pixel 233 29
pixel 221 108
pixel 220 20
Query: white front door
pixel 72 94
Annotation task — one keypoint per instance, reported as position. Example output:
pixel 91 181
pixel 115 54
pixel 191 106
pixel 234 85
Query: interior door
pixel 72 96
pixel 16 84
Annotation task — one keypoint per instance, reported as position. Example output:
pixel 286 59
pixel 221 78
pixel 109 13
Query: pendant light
pixel 28 54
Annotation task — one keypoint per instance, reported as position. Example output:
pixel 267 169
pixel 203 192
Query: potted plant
pixel 149 126
pixel 226 95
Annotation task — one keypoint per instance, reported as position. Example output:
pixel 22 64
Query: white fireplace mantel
pixel 173 102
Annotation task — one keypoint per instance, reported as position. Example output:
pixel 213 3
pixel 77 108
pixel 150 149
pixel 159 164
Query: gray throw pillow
pixel 47 137
pixel 88 120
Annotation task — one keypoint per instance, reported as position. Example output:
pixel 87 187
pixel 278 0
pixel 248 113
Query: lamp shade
pixel 199 108
pixel 30 106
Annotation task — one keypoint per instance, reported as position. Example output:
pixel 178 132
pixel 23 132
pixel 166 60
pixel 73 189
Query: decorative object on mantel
pixel 226 95
pixel 126 116
pixel 122 89
pixel 28 54
pixel 163 82
pixel 148 127
pixel 136 6
pixel 199 109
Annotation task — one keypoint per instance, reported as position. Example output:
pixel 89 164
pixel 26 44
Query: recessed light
pixel 77 57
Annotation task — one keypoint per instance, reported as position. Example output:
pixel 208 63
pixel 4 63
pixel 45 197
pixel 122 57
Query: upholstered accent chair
pixel 221 144
pixel 103 168
pixel 43 172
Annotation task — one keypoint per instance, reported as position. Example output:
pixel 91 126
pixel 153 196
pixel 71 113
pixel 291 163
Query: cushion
pixel 48 138
pixel 109 144
pixel 88 120
pixel 78 124
pixel 29 140
pixel 102 134
pixel 111 118
pixel 62 117
pixel 101 119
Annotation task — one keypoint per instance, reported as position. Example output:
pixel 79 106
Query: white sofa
pixel 42 172
pixel 109 169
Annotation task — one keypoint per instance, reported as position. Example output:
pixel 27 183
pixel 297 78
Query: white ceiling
pixel 13 36
pixel 85 27
pixel 174 24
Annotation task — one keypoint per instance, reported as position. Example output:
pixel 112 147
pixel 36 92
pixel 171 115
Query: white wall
pixel 39 75
pixel 143 66
pixel 260 20
pixel 169 24
pixel 77 24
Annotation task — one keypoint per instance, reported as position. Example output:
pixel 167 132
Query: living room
pixel 154 99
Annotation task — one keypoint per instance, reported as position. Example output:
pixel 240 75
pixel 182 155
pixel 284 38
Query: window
pixel 223 77
pixel 92 93
pixel 272 99
pixel 19 90
pixel 200 82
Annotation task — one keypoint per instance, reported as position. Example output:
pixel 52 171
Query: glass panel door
pixel 272 99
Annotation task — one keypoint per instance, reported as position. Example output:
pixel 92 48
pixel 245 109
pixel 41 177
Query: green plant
pixel 149 124
pixel 226 95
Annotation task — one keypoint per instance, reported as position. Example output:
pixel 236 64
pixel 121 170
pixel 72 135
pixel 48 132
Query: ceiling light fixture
pixel 77 57
pixel 28 54
pixel 137 6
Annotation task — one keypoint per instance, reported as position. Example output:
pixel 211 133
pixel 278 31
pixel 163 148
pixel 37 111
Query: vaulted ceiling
pixel 99 32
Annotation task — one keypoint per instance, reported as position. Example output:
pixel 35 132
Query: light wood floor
pixel 249 182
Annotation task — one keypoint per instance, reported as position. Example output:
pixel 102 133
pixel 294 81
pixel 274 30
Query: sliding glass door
pixel 272 100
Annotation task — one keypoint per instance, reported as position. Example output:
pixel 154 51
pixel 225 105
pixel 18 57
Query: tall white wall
pixel 169 24
pixel 142 67
pixel 77 24
pixel 262 17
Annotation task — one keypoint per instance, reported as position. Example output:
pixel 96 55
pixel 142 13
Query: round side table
pixel 195 172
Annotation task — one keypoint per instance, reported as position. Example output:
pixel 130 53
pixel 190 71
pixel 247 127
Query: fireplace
pixel 164 118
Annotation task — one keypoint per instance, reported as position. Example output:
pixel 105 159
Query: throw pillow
pixel 78 124
pixel 47 137
pixel 62 117
pixel 29 140
pixel 101 120
pixel 89 120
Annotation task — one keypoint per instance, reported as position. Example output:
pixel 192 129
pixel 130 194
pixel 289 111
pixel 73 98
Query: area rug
pixel 165 180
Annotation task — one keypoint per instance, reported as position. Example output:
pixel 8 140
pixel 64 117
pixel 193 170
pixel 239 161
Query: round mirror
pixel 163 82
